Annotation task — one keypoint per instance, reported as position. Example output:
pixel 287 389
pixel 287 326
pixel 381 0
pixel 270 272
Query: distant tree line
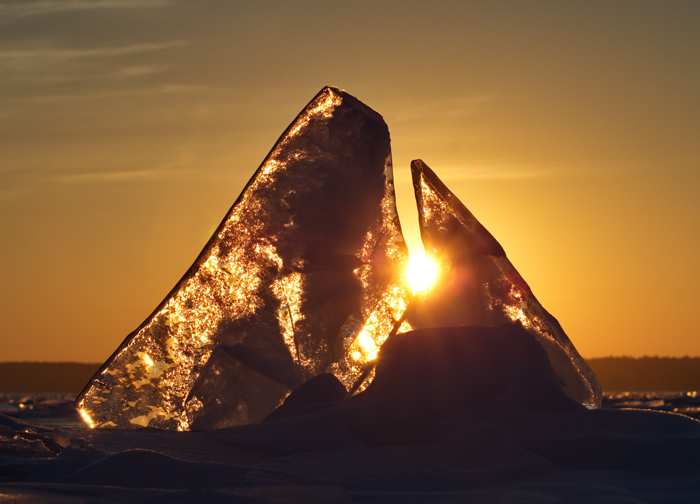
pixel 45 377
pixel 647 373
pixel 615 374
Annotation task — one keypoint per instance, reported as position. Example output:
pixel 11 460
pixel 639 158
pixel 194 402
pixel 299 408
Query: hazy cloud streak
pixel 446 108
pixel 515 171
pixel 164 89
pixel 27 9
pixel 56 55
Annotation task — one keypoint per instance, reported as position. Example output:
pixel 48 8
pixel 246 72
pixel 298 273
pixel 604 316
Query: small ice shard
pixel 304 276
pixel 478 285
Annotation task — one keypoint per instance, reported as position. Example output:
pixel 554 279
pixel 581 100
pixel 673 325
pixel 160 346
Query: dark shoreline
pixel 45 377
pixel 647 373
pixel 615 374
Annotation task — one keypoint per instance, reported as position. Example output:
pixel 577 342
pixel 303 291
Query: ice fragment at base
pixel 477 284
pixel 303 276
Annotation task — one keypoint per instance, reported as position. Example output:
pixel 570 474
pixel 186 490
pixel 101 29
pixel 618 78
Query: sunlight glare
pixel 86 418
pixel 421 272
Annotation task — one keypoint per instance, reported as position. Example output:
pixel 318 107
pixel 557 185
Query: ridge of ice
pixel 480 286
pixel 303 276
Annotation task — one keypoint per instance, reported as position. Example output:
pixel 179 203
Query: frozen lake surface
pixel 494 452
pixel 58 410
pixel 46 410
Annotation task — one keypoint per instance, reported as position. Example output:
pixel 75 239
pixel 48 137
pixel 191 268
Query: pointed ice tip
pixel 422 174
pixel 417 167
pixel 272 298
pixel 354 102
pixel 484 288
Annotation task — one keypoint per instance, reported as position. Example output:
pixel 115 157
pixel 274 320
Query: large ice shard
pixel 303 276
pixel 478 285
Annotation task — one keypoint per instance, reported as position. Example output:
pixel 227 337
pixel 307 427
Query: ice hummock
pixel 303 276
pixel 468 413
pixel 479 285
pixel 458 414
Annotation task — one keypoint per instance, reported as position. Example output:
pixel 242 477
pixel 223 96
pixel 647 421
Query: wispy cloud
pixel 41 7
pixel 57 54
pixel 494 172
pixel 140 70
pixel 443 108
pixel 517 170
pixel 19 184
pixel 109 176
pixel 48 66
pixel 166 89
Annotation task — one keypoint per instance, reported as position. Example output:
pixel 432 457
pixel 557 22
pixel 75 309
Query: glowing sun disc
pixel 421 272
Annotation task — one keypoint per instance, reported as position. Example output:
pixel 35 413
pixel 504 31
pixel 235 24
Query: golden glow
pixel 364 349
pixel 362 352
pixel 254 278
pixel 497 289
pixel 421 272
pixel 368 345
pixel 86 418
pixel 144 420
pixel 289 291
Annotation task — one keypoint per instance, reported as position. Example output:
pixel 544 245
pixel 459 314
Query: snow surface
pixel 436 437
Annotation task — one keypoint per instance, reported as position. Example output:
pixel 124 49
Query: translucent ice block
pixel 303 276
pixel 477 284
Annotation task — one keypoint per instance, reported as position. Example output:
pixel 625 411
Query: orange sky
pixel 570 129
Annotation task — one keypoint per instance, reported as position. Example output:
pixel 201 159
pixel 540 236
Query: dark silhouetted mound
pixel 321 389
pixel 426 376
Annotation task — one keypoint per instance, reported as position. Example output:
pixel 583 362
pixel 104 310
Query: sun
pixel 421 272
